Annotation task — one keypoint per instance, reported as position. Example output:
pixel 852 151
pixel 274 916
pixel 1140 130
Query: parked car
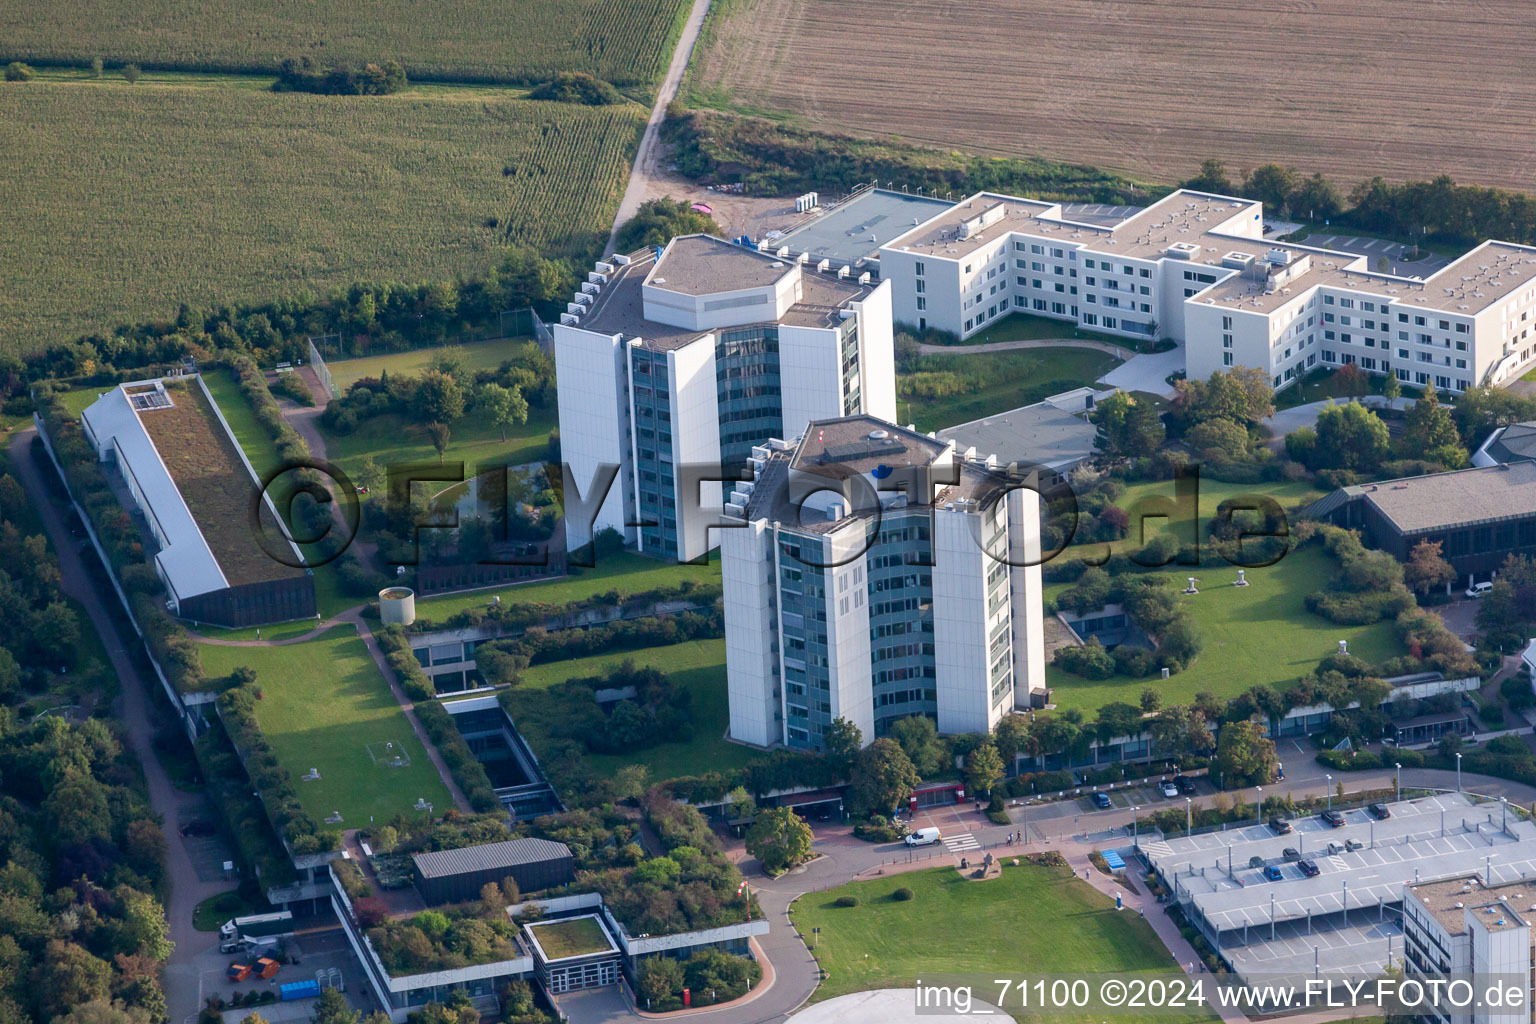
pixel 1352 845
pixel 1308 868
pixel 1273 874
pixel 1186 784
pixel 1256 862
pixel 1290 853
pixel 197 828
pixel 1102 800
pixel 1334 849
pixel 1477 590
pixel 1333 819
pixel 923 837
pixel 1380 812
pixel 1279 826
pixel 1169 790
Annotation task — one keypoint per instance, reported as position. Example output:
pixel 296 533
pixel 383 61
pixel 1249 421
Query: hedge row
pixel 521 615
pixel 467 771
pixel 237 710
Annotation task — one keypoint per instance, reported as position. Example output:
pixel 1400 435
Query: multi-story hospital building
pixel 879 573
pixel 686 357
pixel 1196 268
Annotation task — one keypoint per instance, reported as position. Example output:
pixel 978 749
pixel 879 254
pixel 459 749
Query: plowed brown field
pixel 1402 88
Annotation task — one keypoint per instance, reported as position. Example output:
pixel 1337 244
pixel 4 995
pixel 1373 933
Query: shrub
pixel 577 87
pixel 846 901
pixel 1089 660
pixel 16 71
pixel 902 895
pixel 1493 714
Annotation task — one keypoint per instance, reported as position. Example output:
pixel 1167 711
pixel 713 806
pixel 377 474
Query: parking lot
pixel 1378 249
pixel 1361 945
pixel 317 951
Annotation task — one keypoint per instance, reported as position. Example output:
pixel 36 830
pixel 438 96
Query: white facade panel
pixel 594 416
pixel 695 442
pixel 960 623
pixel 877 348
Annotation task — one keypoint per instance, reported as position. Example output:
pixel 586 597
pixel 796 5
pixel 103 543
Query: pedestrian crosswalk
pixel 961 842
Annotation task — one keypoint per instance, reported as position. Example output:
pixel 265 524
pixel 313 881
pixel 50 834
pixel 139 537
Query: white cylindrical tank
pixel 397 606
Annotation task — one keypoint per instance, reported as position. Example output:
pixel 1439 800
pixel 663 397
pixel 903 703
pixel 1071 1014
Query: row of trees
pixel 1352 441
pixel 1438 208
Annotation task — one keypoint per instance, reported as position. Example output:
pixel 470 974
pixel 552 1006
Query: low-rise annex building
pixel 179 466
pixel 1195 267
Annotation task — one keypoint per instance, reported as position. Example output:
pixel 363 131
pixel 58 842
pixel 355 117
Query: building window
pixel 918 268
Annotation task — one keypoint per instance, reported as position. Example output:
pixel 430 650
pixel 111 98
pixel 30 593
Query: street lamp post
pixel 1458 771
pixel 1399 767
pixel 1330 791
pixel 1189 814
pixel 1135 827
pixel 1261 803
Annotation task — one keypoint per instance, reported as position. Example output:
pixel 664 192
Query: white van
pixel 922 837
pixel 1479 589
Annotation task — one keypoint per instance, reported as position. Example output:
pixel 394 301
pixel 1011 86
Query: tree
pixel 658 221
pixel 1144 433
pixel 983 767
pixel 98 66
pixel 56 634
pixel 332 1008
pixel 1151 700
pixel 99 1011
pixel 1245 754
pixel 1391 390
pixel 779 838
pixel 505 407
pixel 440 435
pixel 1350 437
pixel 883 777
pixel 1258 391
pixel 370 475
pixel 68 976
pixel 132 73
pixel 1213 177
pixel 253 1018
pixel 1272 185
pixel 1109 415
pixel 740 805
pixel 1426 569
pixel 919 739
pixel 1349 381
pixel 1220 439
pixel 1429 432
pixel 660 978
pixel 1012 737
pixel 1317 198
pixel 631 781
pixel 16 71
pixel 438 398
pixel 843 740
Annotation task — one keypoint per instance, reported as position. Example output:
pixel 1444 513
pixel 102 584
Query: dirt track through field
pixel 1402 88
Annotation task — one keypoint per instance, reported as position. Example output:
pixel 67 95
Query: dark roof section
pixel 511 853
pixel 1515 443
pixel 1463 497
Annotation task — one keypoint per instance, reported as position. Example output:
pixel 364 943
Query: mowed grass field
pixel 1002 381
pixel 623 41
pixel 698 665
pixel 1146 87
pixel 1032 919
pixel 324 705
pixel 478 355
pixel 162 193
pixel 1261 633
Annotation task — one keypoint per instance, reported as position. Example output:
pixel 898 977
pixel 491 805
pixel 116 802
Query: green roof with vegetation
pixel 578 936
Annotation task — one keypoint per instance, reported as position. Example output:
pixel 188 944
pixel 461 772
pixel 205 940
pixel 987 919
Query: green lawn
pixel 273 631
pixel 1000 381
pixel 1028 327
pixel 474 440
pixel 1290 494
pixel 259 448
pixel 1257 634
pixel 698 664
pixel 480 355
pixel 1033 919
pixel 626 572
pixel 324 705
pixel 215 910
pixel 578 937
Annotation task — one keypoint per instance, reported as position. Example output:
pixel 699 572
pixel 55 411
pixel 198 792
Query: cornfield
pixel 627 42
pixel 160 194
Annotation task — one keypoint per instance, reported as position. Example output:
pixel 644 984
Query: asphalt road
pixel 138 716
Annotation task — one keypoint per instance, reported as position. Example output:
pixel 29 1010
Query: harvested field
pixel 1148 88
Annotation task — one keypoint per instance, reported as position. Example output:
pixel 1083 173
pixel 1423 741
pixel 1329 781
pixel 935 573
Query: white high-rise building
pixel 880 573
pixel 1196 268
pixel 686 357
pixel 1463 927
